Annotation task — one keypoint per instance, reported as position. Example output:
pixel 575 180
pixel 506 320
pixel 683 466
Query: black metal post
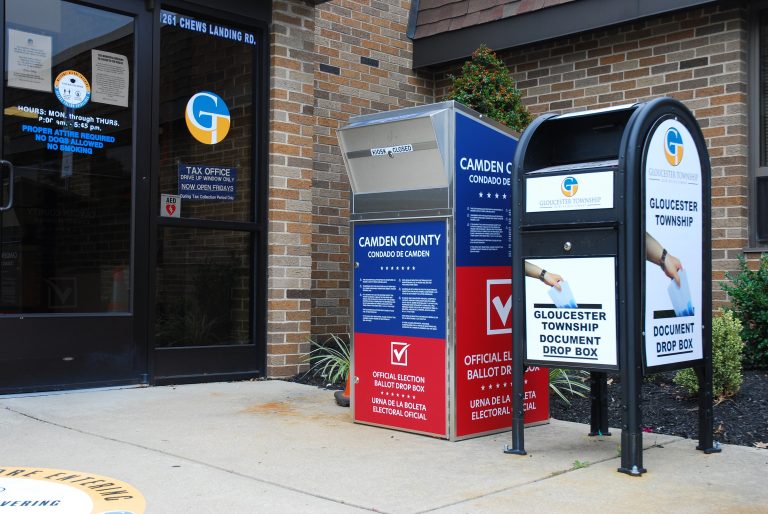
pixel 518 335
pixel 598 395
pixel 706 415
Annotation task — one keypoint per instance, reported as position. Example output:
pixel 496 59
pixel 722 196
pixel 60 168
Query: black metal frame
pixel 190 364
pixel 629 223
pixel 136 320
pixel 194 364
pixel 754 111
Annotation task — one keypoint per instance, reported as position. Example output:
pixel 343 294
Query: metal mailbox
pixel 611 211
pixel 431 280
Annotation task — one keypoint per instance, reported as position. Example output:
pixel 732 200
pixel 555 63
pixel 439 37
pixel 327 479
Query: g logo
pixel 673 146
pixel 207 117
pixel 569 186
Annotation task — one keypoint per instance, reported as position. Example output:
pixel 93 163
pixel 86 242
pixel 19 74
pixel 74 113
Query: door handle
pixel 7 164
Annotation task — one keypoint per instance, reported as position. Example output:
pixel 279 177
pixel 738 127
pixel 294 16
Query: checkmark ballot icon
pixel 399 353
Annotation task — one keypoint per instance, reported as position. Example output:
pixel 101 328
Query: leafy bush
pixel 330 359
pixel 486 86
pixel 727 348
pixel 561 381
pixel 749 297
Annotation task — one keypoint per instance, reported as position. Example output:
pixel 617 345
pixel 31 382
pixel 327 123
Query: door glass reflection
pixel 203 287
pixel 67 120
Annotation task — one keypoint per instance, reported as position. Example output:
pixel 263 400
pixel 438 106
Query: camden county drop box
pixel 431 278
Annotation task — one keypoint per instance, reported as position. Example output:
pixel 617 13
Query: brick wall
pixel 364 65
pixel 698 56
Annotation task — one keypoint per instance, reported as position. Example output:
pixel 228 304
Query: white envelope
pixel 564 298
pixel 681 296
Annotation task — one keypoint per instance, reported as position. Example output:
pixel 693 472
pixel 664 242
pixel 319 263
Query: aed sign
pixel 673 240
pixel 170 206
pixel 573 323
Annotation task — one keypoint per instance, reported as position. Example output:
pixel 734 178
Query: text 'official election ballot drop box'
pixel 613 207
pixel 432 292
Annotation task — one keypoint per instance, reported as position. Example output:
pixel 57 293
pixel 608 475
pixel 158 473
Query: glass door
pixel 208 269
pixel 71 142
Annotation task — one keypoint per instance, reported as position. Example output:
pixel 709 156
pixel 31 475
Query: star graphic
pixel 497 196
pixel 504 196
pixel 482 388
pixel 481 194
pixel 488 195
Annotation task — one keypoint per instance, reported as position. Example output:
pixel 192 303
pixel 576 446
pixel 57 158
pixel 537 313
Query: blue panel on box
pixel 400 278
pixel 483 194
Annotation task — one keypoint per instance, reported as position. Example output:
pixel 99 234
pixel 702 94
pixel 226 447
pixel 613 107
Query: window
pixel 758 179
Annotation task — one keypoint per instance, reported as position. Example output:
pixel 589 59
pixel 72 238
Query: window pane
pixel 65 246
pixel 206 117
pixel 203 287
pixel 764 89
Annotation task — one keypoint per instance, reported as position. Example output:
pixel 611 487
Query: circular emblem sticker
pixel 569 186
pixel 207 117
pixel 72 89
pixel 38 490
pixel 673 146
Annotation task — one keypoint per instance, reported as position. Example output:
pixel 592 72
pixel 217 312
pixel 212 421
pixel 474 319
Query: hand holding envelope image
pixel 549 278
pixel 678 290
pixel 559 291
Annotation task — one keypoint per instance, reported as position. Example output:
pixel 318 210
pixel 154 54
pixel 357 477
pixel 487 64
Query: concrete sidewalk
pixel 273 446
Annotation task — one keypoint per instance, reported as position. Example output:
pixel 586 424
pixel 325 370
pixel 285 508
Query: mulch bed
pixel 667 408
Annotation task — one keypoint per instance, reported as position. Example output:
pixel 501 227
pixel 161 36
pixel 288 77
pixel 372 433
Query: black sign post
pixel 611 258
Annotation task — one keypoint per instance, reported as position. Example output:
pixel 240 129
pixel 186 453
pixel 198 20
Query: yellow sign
pixel 33 490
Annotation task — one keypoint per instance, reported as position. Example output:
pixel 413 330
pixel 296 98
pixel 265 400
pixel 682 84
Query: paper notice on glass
pixel 111 78
pixel 29 60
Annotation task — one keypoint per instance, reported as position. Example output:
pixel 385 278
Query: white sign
pixel 170 206
pixel 29 60
pixel 576 324
pixel 391 150
pixel 574 192
pixel 498 306
pixel 111 78
pixel 673 268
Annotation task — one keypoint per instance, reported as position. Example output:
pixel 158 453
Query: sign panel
pixel 573 192
pixel 673 241
pixel 484 354
pixel 399 324
pixel 483 303
pixel 31 489
pixel 201 182
pixel 483 188
pixel 29 60
pixel 575 325
pixel 111 78
pixel 170 206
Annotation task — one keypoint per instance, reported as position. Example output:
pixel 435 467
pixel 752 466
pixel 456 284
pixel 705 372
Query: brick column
pixel 291 132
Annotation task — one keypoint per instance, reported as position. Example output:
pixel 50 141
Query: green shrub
pixel 562 381
pixel 486 86
pixel 749 297
pixel 727 348
pixel 331 359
